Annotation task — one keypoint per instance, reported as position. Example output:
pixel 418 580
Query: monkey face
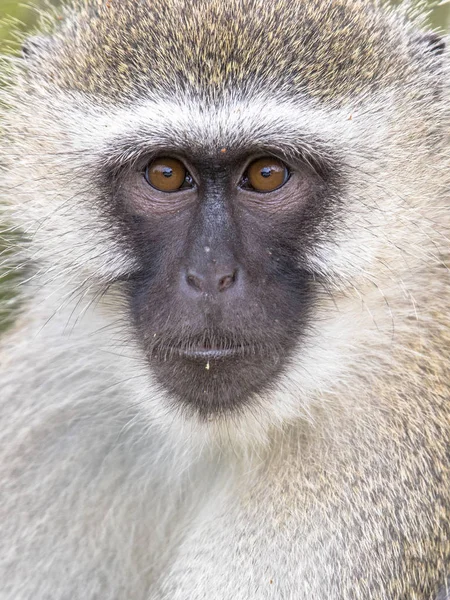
pixel 239 301
pixel 238 296
pixel 221 297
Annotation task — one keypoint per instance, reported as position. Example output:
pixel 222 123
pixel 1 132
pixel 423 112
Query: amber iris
pixel 267 174
pixel 166 174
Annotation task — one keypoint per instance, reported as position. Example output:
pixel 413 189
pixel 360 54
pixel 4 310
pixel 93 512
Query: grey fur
pixel 444 594
pixel 337 485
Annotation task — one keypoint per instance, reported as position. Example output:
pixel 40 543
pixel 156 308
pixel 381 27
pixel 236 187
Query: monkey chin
pixel 216 382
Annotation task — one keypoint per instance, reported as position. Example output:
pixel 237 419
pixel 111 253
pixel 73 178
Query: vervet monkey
pixel 229 376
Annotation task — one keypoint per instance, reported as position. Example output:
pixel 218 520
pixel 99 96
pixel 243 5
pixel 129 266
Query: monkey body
pixel 330 478
pixel 133 515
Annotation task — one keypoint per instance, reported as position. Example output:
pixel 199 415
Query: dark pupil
pixel 266 171
pixel 167 172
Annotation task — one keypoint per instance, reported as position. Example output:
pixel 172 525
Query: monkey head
pixel 241 191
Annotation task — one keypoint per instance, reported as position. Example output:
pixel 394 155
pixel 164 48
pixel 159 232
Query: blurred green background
pixel 18 14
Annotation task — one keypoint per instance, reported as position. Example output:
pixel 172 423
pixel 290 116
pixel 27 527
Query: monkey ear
pixel 444 593
pixel 432 47
pixel 34 46
pixel 435 43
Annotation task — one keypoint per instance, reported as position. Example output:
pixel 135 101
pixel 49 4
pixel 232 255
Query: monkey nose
pixel 212 281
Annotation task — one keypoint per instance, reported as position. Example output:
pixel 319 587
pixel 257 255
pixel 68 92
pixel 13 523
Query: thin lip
pixel 210 353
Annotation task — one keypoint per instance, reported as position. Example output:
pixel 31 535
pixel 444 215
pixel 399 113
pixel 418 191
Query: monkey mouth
pixel 203 353
pixel 215 372
pixel 204 349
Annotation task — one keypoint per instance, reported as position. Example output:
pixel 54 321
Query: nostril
pixel 194 282
pixel 210 282
pixel 227 281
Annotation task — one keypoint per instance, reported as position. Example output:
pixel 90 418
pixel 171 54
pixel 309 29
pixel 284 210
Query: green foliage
pixel 13 15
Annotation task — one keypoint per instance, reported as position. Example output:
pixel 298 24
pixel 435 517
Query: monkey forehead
pixel 123 48
pixel 122 135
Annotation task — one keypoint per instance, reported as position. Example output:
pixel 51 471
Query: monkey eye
pixel 265 175
pixel 168 175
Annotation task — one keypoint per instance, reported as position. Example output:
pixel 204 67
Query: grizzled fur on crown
pixel 330 49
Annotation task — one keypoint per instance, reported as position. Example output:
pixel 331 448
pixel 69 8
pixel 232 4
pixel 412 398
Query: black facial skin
pixel 221 299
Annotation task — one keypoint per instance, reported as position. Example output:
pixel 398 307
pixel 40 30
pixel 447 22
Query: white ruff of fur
pixel 76 251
